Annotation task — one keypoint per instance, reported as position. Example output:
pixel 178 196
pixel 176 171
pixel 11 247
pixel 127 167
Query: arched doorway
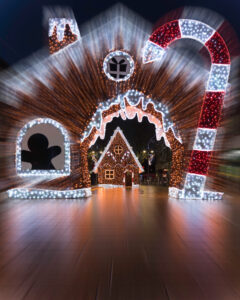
pixel 128 106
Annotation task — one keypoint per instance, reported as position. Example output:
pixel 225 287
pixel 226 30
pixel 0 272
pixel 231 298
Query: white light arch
pixel 46 173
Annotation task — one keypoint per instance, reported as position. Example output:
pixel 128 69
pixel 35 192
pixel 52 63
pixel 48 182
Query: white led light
pixel 152 52
pixel 205 139
pixel 218 78
pixel 24 193
pixel 174 192
pixel 112 186
pixel 48 173
pixel 194 185
pixel 118 72
pixel 133 97
pixel 195 30
pixel 209 195
pixel 60 24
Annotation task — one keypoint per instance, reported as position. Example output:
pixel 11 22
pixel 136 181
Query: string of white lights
pixel 60 24
pixel 217 82
pixel 27 193
pixel 47 173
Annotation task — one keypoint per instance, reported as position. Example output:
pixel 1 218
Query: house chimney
pixel 62 28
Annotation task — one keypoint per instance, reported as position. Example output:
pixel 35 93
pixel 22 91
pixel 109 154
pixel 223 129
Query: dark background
pixel 21 29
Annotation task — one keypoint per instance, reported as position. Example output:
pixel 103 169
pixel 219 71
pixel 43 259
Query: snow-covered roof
pixel 118 130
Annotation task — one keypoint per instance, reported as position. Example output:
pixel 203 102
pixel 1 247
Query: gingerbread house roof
pixel 118 130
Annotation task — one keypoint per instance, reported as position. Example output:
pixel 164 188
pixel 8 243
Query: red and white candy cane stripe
pixel 154 49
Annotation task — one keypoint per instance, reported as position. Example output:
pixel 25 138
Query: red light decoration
pixel 199 162
pixel 218 49
pixel 166 34
pixel 211 110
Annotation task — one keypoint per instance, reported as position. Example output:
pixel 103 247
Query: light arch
pixel 134 103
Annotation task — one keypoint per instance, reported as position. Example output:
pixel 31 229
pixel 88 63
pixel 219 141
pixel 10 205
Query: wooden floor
pixel 120 244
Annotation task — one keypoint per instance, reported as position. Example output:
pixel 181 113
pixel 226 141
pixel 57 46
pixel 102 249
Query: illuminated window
pixel 109 174
pixel 118 149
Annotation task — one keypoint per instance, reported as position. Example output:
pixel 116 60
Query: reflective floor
pixel 120 244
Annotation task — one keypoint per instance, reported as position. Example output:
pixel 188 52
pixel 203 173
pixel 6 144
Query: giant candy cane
pixel 154 49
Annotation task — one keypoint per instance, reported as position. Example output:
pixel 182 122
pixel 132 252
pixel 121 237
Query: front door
pixel 128 179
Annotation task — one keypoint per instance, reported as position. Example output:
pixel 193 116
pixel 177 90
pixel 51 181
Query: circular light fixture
pixel 118 66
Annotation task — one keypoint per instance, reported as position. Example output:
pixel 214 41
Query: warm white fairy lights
pixel 122 66
pixel 218 78
pixel 205 139
pixel 195 30
pixel 60 24
pixel 27 193
pixel 152 52
pixel 47 173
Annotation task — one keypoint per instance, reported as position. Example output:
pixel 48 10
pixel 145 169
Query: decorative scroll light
pixel 154 50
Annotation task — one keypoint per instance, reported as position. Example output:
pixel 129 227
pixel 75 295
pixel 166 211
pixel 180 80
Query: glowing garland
pixel 118 53
pixel 133 97
pixel 216 86
pixel 46 173
pixel 25 193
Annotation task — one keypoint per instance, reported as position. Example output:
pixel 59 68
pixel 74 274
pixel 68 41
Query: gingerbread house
pixel 118 165
pixel 54 107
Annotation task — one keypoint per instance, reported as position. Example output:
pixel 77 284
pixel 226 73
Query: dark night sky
pixel 21 31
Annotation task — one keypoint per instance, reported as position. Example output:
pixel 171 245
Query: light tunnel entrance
pixel 135 106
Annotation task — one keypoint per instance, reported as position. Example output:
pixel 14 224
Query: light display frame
pixel 217 82
pixel 118 53
pixel 46 173
pixel 133 97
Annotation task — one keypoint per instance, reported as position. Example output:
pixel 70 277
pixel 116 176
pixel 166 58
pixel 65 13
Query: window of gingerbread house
pixel 118 149
pixel 109 174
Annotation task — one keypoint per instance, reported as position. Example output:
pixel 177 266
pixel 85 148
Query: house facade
pixel 118 165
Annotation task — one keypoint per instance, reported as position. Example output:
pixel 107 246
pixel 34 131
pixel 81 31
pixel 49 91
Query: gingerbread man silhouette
pixel 40 155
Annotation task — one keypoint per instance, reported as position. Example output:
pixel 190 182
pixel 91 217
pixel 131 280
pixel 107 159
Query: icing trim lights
pixel 216 86
pixel 133 97
pixel 47 173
